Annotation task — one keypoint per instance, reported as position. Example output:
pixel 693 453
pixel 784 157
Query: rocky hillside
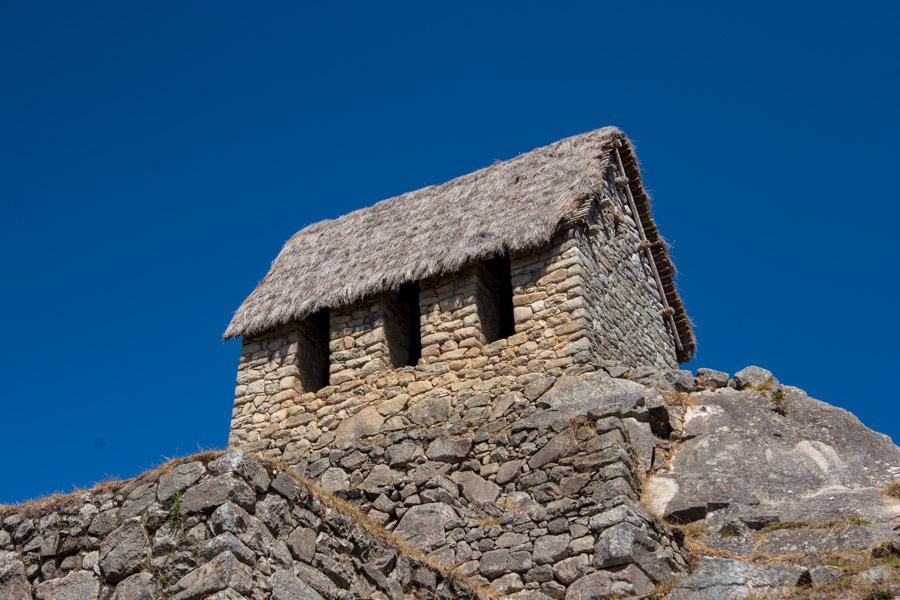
pixel 608 483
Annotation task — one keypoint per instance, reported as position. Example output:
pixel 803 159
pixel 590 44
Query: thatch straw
pixel 510 206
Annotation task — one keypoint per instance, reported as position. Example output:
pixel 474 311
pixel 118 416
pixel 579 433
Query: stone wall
pixel 624 311
pixel 273 408
pixel 534 491
pixel 222 527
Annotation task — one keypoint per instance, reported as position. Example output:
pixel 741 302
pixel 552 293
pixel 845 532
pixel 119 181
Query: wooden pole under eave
pixel 645 245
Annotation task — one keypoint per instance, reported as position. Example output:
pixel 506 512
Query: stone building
pixel 544 264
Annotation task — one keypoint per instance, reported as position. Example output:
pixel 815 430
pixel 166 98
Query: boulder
pixel 755 378
pixel 593 394
pixel 124 550
pixel 302 542
pixel 227 541
pixel 236 461
pixel 379 477
pixel 214 492
pixel 334 479
pixel 140 586
pixel 178 479
pixel 399 455
pixel 711 379
pixel 366 422
pixel 223 572
pixel 14 584
pixel 285 485
pixel 138 500
pixel 476 488
pixel 603 585
pixel 549 549
pixel 76 585
pixel 247 528
pixel 825 574
pixel 560 445
pixel 493 563
pixel 286 586
pixel 508 471
pixel 450 450
pixel 429 410
pixel 424 525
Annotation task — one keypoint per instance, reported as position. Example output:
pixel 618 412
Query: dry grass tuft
pixel 488 521
pixel 892 490
pixel 682 399
pixel 61 501
pixel 662 590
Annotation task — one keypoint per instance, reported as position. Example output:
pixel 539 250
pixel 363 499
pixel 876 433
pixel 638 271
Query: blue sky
pixel 154 157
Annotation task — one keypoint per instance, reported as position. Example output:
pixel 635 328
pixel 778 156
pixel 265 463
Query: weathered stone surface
pixel 807 465
pixel 14 584
pixel 754 377
pixel 227 541
pixel 561 445
pixel 536 389
pixel 549 549
pixel 231 518
pixel 399 455
pixel 508 471
pixel 429 411
pixel 286 586
pixel 592 394
pixel 449 449
pixel 380 476
pixel 875 576
pixel 285 485
pixel 178 479
pixel 140 586
pixel 711 379
pixel 424 525
pixel 599 585
pixel 570 569
pixel 507 584
pixel 476 488
pixel 124 550
pixel 302 542
pixel 724 579
pixel 824 574
pixel 626 544
pixel 77 585
pixel 104 522
pixel 334 479
pixel 138 500
pixel 215 491
pixel 226 595
pixel 493 563
pixel 366 422
pixel 236 461
pixel 224 571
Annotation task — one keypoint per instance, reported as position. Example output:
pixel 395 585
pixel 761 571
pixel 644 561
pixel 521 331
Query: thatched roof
pixel 512 205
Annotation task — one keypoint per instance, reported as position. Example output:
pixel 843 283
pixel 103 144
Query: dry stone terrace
pixel 578 487
pixel 534 492
pixel 219 526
